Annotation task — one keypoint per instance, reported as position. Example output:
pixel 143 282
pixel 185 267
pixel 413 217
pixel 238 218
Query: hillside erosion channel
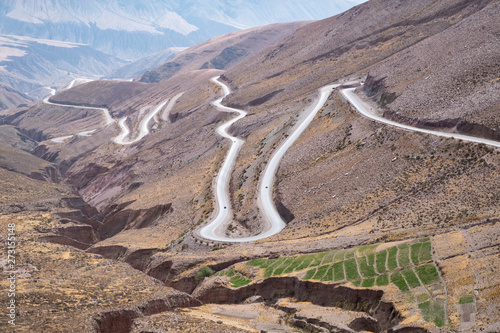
pixel 377 315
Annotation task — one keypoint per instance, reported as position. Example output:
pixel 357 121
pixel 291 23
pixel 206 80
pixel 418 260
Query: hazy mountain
pixel 138 67
pixel 133 29
pixel 27 64
pixel 10 97
pixel 222 52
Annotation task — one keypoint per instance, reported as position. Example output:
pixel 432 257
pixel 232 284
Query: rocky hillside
pixel 400 228
pixel 449 80
pixel 222 52
pixel 10 97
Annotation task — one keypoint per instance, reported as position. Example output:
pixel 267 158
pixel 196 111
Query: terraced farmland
pixel 408 266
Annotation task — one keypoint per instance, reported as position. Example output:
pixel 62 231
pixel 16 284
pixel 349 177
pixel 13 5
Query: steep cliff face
pixel 119 321
pixel 361 300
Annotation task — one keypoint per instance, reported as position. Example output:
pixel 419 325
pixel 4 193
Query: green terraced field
pixel 238 281
pixel 366 269
pixel 404 255
pixel 392 262
pixel 408 266
pixel 433 311
pixel 381 259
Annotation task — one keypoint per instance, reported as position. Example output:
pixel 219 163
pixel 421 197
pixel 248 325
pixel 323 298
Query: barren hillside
pixel 388 230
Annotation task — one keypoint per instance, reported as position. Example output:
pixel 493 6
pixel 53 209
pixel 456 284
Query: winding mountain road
pixel 274 224
pixel 144 130
pixel 105 112
pixel 124 131
pixel 365 109
pixel 213 230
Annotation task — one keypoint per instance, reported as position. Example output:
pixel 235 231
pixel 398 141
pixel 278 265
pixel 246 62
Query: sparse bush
pixel 204 271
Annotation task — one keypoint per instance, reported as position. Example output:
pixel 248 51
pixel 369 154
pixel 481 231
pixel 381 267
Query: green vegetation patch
pixel 415 251
pixel 466 299
pixel 398 280
pixel 425 252
pixel 339 256
pixel 268 262
pixel 275 264
pixel 321 272
pixel 392 263
pixel 338 271
pixel 368 283
pixel 351 270
pixel 382 280
pixel 329 275
pixel 357 283
pixel 279 270
pixel 239 281
pixel 318 258
pixel 350 254
pixel 293 266
pixel 328 258
pixel 257 262
pixel 433 311
pixel 411 278
pixel 422 298
pixel 367 249
pixel 427 273
pixel 380 261
pixel 404 255
pixel 370 257
pixel 310 273
pixel 204 271
pixel 306 260
pixel 366 269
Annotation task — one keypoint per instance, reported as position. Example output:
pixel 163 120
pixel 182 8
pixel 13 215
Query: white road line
pixel 105 112
pixel 221 194
pixel 364 108
pixel 61 139
pixel 170 105
pixel 144 130
pixel 87 133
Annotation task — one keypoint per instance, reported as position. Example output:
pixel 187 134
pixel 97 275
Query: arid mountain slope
pixel 373 194
pixel 346 45
pixel 10 97
pixel 450 77
pixel 137 68
pixel 222 52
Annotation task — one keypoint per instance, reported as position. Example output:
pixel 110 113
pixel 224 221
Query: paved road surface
pixel 365 109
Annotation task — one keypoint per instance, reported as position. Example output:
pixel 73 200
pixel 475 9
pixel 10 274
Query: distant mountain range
pixel 27 64
pixel 136 28
pixel 95 38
